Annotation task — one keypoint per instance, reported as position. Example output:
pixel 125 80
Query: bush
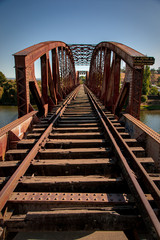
pixel 153 91
pixel 144 98
pixel 2 79
pixel 8 91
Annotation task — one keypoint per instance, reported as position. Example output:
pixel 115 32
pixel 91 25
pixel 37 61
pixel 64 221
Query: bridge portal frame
pixel 104 76
pixel 56 80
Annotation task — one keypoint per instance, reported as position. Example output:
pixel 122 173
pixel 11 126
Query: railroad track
pixel 79 170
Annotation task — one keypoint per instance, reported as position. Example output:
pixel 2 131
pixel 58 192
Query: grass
pixel 150 107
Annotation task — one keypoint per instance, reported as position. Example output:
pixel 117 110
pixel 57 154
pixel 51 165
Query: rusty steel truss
pixel 60 77
pixel 57 79
pixel 82 53
pixel 104 77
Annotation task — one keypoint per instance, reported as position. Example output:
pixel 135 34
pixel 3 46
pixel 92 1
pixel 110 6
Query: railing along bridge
pixel 82 161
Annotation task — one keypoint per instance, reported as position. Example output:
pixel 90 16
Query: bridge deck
pixel 70 174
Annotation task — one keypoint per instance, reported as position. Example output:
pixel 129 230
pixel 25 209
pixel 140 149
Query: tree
pixel 8 91
pixel 146 80
pixel 158 70
pixel 123 70
pixel 153 91
pixel 2 79
pixel 153 70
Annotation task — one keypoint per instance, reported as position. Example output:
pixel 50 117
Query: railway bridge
pixel 79 165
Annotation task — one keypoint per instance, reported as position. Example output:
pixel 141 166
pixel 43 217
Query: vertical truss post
pixel 44 79
pixel 106 74
pixel 87 78
pixel 77 77
pixel 116 80
pixel 136 90
pixel 65 71
pixel 62 72
pixel 23 75
pixel 55 72
pixel 108 101
pixel 99 74
pixel 44 76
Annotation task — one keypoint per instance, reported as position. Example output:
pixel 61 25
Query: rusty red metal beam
pixel 50 80
pixel 144 206
pixel 14 131
pixel 110 75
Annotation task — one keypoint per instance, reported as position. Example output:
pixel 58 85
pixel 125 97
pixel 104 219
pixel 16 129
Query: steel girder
pixel 57 79
pixel 104 77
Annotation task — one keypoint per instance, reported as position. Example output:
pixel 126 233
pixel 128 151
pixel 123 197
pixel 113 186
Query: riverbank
pixel 151 105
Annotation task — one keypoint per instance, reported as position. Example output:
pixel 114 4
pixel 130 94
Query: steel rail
pixel 20 171
pixel 129 154
pixel 145 208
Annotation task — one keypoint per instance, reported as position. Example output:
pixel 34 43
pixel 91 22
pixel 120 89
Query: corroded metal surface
pixel 59 78
pixel 82 53
pixel 104 78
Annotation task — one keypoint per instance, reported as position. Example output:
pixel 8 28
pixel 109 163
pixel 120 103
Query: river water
pixel 7 114
pixel 150 118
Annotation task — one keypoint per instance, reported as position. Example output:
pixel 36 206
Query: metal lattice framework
pixel 104 77
pixel 82 53
pixel 58 76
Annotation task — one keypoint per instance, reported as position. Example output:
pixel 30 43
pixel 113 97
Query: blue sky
pixel 23 23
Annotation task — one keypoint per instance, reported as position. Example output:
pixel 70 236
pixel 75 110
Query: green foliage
pixel 123 70
pixel 153 70
pixel 153 91
pixel 1 92
pixel 144 98
pixel 8 91
pixel 158 70
pixel 146 80
pixel 82 79
pixel 3 79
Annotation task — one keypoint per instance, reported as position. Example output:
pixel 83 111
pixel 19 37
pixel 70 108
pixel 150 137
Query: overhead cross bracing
pixel 82 53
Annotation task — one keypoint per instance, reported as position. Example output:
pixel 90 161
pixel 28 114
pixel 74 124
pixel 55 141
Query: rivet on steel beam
pixel 55 199
pixel 63 199
pixel 39 198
